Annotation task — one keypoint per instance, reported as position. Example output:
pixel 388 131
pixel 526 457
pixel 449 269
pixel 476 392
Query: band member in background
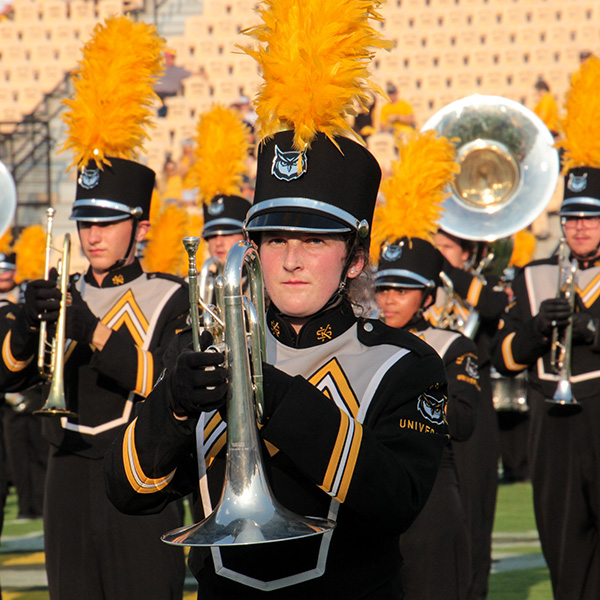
pixel 223 224
pixel 564 448
pixel 405 285
pixel 118 324
pixel 477 457
pixel 354 409
pixel 406 281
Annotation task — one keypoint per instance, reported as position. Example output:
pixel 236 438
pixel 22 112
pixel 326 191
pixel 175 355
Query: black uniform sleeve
pixel 517 344
pixel 383 470
pixel 120 349
pixel 460 361
pixel 18 370
pixel 489 301
pixel 152 461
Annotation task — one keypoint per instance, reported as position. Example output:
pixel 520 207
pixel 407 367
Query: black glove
pixel 584 328
pixel 41 301
pixel 197 383
pixel 81 321
pixel 554 312
pixel 276 385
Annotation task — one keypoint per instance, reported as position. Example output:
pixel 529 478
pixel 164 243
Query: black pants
pixel 94 552
pixel 27 455
pixel 477 466
pixel 435 548
pixel 565 474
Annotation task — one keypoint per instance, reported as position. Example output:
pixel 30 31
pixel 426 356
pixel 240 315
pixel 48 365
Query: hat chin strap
pixel 121 261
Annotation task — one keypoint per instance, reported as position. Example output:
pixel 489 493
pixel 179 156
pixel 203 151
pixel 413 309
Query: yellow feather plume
pixel 416 189
pixel 314 60
pixel 114 94
pixel 222 147
pixel 164 251
pixel 30 251
pixel 6 242
pixel 581 126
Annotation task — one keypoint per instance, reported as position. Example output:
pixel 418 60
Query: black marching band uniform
pixel 436 547
pixel 356 437
pixel 477 458
pixel 564 446
pixel 93 550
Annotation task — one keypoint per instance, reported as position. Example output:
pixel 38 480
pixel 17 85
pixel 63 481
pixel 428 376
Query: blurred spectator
pixel 189 191
pixel 171 183
pixel 242 104
pixel 364 121
pixel 170 83
pixel 584 55
pixel 546 107
pixel 6 9
pixel 397 115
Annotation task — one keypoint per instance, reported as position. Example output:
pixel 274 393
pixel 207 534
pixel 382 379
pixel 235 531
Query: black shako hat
pixel 323 189
pixel 224 215
pixel 409 263
pixel 8 262
pixel 582 193
pixel 117 191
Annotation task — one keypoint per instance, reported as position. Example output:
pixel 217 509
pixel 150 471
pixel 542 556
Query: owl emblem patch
pixel 288 166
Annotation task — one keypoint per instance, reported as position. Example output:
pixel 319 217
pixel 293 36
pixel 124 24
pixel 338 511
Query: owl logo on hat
pixel 392 252
pixel 89 178
pixel 577 183
pixel 285 164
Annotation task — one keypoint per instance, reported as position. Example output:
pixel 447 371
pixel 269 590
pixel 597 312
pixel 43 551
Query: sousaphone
pixel 8 198
pixel 508 167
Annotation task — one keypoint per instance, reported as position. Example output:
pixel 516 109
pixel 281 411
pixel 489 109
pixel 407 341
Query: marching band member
pixel 354 410
pixel 476 458
pixel 405 284
pixel 564 448
pixel 222 147
pixel 406 280
pixel 118 325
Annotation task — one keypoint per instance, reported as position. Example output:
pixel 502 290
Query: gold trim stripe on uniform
pixel 125 302
pixel 334 371
pixel 343 458
pixel 218 443
pixel 591 292
pixel 10 361
pixel 507 354
pixel 138 480
pixel 474 292
pixel 145 372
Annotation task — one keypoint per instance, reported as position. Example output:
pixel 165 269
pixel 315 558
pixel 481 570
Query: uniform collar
pixel 116 277
pixel 321 328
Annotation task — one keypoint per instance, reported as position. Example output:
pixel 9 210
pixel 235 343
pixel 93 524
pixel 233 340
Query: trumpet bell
pixel 508 167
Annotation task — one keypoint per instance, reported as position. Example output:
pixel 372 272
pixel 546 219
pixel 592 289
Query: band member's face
pixel 302 271
pixel 7 281
pixel 105 243
pixel 583 236
pixel 219 245
pixel 451 251
pixel 398 305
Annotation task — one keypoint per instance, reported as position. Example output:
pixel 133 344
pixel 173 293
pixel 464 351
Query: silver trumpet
pixel 560 353
pixel 53 369
pixel 247 512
